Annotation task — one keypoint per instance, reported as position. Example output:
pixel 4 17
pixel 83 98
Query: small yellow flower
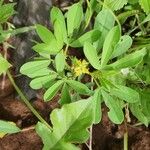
pixel 80 67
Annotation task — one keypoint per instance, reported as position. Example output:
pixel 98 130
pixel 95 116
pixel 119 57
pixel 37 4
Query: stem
pixel 25 100
pixel 91 134
pixel 126 140
pixel 66 49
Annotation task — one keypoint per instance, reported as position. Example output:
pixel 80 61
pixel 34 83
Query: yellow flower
pixel 80 67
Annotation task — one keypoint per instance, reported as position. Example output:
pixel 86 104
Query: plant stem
pixel 91 134
pixel 25 100
pixel 126 140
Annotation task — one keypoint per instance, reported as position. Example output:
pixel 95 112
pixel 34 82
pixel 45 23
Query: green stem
pixel 126 140
pixel 25 100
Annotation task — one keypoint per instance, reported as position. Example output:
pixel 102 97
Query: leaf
pixel 110 42
pixel 145 103
pixel 89 11
pixel 78 86
pixel 115 114
pixel 60 61
pixel 137 112
pixel 74 18
pixel 104 22
pixel 59 24
pixel 125 93
pixel 51 92
pixel 45 35
pixel 91 54
pixel 50 45
pixel 122 46
pixel 7 10
pixel 50 48
pixel 97 106
pixel 115 4
pixel 8 127
pixel 65 95
pixel 129 60
pixel 70 125
pixel 145 4
pixel 4 65
pixel 41 81
pixel 35 68
pixel 90 37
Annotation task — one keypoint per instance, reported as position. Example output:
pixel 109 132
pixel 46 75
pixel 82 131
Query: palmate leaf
pixel 4 65
pixel 70 125
pixel 145 4
pixel 115 4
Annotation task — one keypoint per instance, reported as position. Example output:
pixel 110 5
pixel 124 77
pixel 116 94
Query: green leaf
pixel 137 112
pixel 50 45
pixel 109 44
pixel 58 21
pixel 97 106
pixel 45 48
pixel 115 4
pixel 126 93
pixel 74 18
pixel 65 95
pixel 41 81
pixel 122 46
pixel 129 60
pixel 145 104
pixel 6 12
pixel 145 4
pixel 70 125
pixel 51 92
pixel 45 35
pixel 35 68
pixel 8 127
pixel 104 22
pixel 60 61
pixel 4 65
pixel 90 37
pixel 78 86
pixel 115 114
pixel 91 54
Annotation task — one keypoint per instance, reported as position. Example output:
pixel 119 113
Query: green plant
pixel 115 59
